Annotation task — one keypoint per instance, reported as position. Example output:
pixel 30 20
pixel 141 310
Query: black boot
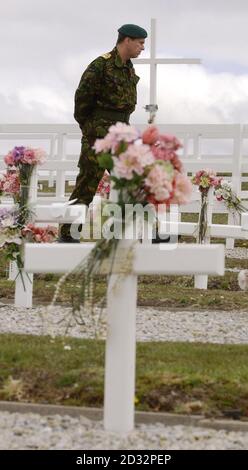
pixel 163 239
pixel 166 238
pixel 68 240
pixel 65 234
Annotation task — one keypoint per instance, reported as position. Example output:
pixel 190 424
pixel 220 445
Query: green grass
pixel 159 291
pixel 173 377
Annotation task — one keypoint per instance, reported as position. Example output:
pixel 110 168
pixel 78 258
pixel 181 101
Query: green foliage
pixel 105 161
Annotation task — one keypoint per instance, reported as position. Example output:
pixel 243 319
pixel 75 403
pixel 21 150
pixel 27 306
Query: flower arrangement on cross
pixel 15 219
pixel 222 191
pixel 144 168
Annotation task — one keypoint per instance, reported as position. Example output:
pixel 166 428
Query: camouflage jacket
pixel 106 94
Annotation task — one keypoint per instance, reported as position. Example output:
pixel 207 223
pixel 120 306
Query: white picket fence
pixel 61 166
pixel 218 146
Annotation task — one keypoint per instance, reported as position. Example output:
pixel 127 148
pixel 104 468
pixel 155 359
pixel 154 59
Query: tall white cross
pixel 120 357
pixel 153 62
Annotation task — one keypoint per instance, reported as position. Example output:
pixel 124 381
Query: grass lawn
pixel 177 377
pixel 158 291
pixel 223 292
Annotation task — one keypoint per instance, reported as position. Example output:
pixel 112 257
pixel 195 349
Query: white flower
pixel 8 221
pixel 226 185
pixel 121 131
pixel 8 238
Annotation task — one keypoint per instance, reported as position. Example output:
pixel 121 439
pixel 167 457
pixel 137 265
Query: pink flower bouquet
pixel 34 234
pixel 145 169
pixel 204 179
pixel 23 159
pixel 25 155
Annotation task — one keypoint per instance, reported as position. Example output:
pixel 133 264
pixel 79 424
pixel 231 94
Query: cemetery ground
pixel 179 377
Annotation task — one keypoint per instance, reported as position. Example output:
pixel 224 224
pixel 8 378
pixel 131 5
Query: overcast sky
pixel 46 44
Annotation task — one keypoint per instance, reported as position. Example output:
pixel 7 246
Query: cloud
pixel 186 94
pixel 44 50
pixel 192 94
pixel 35 105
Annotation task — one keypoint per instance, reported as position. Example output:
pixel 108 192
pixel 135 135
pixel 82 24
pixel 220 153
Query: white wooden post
pixel 120 345
pixel 153 62
pixel 24 290
pixel 236 178
pixel 119 391
pixel 244 221
pixel 60 176
pixel 197 147
pixel 52 153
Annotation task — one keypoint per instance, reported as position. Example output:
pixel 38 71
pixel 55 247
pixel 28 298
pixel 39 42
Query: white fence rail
pixel 218 146
pixel 223 147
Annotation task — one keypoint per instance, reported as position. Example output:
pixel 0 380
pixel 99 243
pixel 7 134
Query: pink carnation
pixel 10 183
pixel 159 183
pixel 150 136
pixel 133 160
pixel 123 132
pixel 40 155
pixel 182 189
pixel 29 156
pixel 24 155
pixel 105 145
pixel 120 132
pixel 126 165
pixel 170 141
pixel 176 162
pixel 39 234
pixel 103 187
pixel 205 179
pixel 161 152
pixel 8 159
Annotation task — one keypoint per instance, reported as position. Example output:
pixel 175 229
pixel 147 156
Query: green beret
pixel 133 31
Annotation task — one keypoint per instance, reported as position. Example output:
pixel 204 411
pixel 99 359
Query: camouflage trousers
pixel 90 174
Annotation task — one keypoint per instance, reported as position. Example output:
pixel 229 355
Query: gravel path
pixel 237 253
pixel 32 431
pixel 152 324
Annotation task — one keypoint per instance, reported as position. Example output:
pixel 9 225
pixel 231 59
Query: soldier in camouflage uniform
pixel 106 94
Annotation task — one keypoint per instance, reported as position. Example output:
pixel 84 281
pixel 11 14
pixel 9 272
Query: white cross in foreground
pixel 119 390
pixel 153 62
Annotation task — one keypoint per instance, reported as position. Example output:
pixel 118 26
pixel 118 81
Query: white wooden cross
pixel 120 359
pixel 153 62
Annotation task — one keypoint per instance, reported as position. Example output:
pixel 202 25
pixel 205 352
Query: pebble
pixel 153 324
pixel 237 253
pixel 34 432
